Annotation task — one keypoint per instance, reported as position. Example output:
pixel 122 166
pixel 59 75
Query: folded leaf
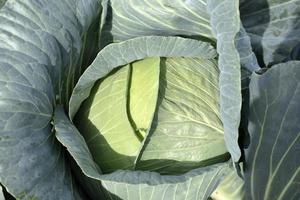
pixel 225 24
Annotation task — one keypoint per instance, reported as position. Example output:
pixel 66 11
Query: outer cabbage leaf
pixel 274 27
pixel 272 160
pixel 225 22
pixel 123 20
pixel 39 45
pixel 129 19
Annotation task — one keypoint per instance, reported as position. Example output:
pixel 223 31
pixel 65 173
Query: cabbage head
pixel 149 99
pixel 155 114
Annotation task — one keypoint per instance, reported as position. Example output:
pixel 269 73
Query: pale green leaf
pixel 116 55
pixel 127 20
pixel 186 131
pixel 104 123
pixel 143 93
pixel 116 114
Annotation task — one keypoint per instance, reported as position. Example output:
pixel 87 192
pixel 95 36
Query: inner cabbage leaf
pixel 186 131
pixel 115 118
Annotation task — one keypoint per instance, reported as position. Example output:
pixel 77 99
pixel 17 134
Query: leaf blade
pixel 186 119
pixel 271 115
pixel 225 24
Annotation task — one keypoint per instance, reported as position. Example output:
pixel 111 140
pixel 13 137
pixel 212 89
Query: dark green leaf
pixel 272 159
pixel 273 26
pixel 40 44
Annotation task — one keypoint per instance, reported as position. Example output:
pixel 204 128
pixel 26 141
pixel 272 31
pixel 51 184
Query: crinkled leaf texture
pixel 40 43
pixel 197 184
pixel 274 27
pixel 225 24
pixel 272 160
